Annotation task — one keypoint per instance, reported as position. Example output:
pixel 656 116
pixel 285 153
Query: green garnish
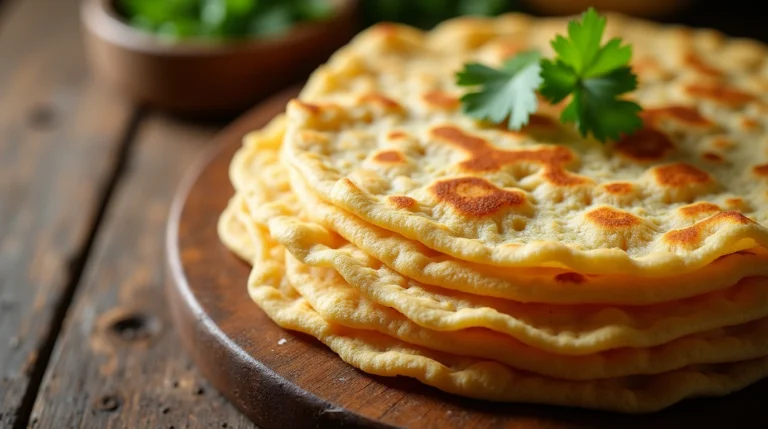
pixel 509 92
pixel 221 19
pixel 594 76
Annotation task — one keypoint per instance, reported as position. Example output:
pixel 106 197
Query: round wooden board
pixel 301 383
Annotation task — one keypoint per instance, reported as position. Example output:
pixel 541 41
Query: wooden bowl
pixel 205 77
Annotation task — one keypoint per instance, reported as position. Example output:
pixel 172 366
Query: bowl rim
pixel 101 18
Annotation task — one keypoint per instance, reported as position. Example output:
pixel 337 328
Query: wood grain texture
pixel 60 137
pixel 118 363
pixel 301 383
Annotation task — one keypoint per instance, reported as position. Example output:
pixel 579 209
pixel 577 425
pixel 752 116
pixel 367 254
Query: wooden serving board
pixel 281 379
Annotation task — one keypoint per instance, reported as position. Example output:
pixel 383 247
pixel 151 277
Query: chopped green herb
pixel 220 19
pixel 593 75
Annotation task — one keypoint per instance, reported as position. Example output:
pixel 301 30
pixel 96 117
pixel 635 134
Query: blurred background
pixel 256 18
pixel 91 160
pixel 221 56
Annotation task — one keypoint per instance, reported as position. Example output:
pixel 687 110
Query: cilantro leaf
pixel 559 80
pixel 508 93
pixel 582 46
pixel 610 57
pixel 595 76
pixel 596 109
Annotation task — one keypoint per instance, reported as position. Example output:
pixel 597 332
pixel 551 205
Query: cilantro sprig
pixel 595 77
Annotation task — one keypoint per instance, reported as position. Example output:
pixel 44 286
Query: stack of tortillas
pixel 532 266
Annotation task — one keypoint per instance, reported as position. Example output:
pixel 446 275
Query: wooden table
pixel 85 335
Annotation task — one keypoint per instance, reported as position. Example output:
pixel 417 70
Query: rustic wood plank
pixel 60 140
pixel 119 362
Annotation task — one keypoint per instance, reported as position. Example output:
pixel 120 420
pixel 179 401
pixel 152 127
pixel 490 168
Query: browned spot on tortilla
pixel 541 125
pixel 720 93
pixel 683 114
pixel 570 278
pixel 697 63
pixel 484 157
pixel 441 100
pixel 737 204
pixel 761 170
pixel 695 210
pixel 692 235
pixel 618 188
pixel 386 29
pixel 645 145
pixel 560 177
pixel 314 109
pixel 537 123
pixel 750 124
pixel 610 218
pixel 401 201
pixel 723 142
pixel 389 156
pixel 712 157
pixel 473 196
pixel 394 135
pixel 680 175
pixel 537 120
pixel 385 102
